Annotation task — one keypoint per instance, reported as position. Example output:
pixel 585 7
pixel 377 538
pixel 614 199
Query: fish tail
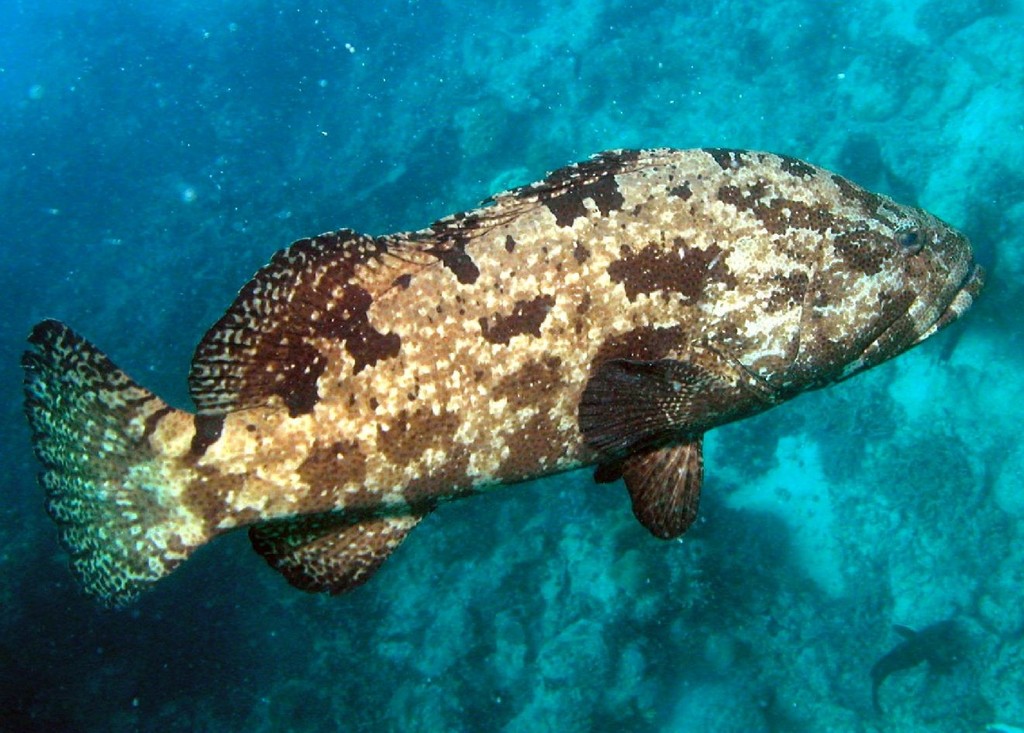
pixel 112 468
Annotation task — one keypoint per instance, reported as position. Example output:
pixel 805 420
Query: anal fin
pixel 330 553
pixel 664 485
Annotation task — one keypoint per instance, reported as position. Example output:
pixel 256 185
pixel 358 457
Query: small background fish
pixel 941 646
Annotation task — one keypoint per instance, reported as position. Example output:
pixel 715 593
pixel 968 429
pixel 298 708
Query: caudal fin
pixel 112 489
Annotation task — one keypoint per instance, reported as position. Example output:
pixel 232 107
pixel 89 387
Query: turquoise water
pixel 154 157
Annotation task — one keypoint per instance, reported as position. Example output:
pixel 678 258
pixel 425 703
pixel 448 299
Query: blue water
pixel 153 155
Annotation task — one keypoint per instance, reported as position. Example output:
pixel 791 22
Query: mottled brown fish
pixel 610 314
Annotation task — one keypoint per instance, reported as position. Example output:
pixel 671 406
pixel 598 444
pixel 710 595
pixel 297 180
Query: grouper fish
pixel 608 315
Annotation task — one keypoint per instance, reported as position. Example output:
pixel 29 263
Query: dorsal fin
pixel 330 553
pixel 564 190
pixel 269 343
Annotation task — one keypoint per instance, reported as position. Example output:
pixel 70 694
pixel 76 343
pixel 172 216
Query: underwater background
pixel 154 155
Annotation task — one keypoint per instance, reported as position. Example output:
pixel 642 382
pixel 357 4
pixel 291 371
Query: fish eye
pixel 910 241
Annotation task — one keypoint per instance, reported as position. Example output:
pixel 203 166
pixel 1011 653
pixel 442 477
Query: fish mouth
pixel 893 338
pixel 963 297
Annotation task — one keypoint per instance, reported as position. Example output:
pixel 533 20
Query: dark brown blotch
pixel 859 249
pixel 538 447
pixel 681 191
pixel 527 317
pixel 411 433
pixel 460 263
pixel 580 253
pixel 642 344
pixel 565 190
pixel 778 215
pixel 532 385
pixel 581 310
pixel 349 322
pixel 299 374
pixel 787 290
pixel 868 202
pixel 153 420
pixel 208 430
pixel 796 167
pixel 510 243
pixel 298 364
pixel 304 295
pixel 451 479
pixel 677 269
pixel 537 443
pixel 569 203
pixel 727 158
pixel 333 467
pixel 265 345
pixel 205 496
pixel 453 234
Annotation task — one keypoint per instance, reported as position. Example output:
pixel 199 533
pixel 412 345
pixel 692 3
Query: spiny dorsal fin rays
pixel 318 288
pixel 268 343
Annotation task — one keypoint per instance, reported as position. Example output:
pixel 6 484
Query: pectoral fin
pixel 630 405
pixel 647 420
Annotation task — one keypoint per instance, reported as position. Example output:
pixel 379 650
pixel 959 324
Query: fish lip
pixel 963 298
pixel 974 281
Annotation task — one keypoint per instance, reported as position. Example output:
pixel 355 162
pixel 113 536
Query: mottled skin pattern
pixel 357 382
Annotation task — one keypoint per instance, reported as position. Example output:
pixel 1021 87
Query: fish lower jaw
pixel 962 301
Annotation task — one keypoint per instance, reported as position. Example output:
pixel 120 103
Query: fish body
pixel 608 315
pixel 941 645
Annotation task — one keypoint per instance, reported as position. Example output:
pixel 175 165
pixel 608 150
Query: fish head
pixel 877 278
pixel 902 275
